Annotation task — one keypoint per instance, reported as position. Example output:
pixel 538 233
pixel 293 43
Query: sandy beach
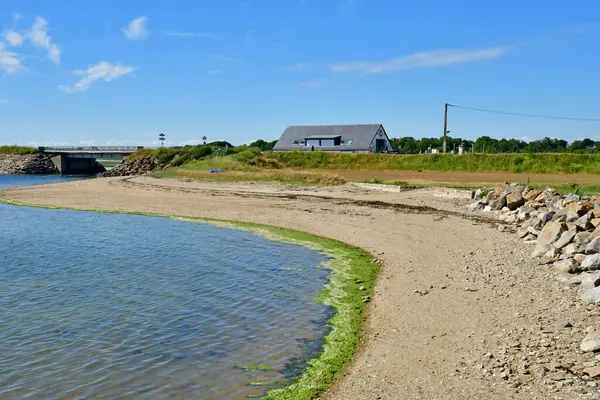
pixel 454 294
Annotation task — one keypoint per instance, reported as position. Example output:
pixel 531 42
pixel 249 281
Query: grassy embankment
pixel 563 171
pixel 17 150
pixel 351 268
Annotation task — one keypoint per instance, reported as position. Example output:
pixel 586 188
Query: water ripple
pixel 107 306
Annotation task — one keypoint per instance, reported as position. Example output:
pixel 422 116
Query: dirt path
pixel 473 178
pixel 460 310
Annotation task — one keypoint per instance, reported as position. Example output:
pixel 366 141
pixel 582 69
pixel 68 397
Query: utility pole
pixel 445 126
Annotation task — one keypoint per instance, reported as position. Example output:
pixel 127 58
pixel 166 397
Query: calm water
pixel 121 306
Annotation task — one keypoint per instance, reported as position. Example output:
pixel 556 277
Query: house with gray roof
pixel 348 138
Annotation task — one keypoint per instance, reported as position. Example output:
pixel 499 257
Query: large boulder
pixel 514 200
pixel 590 288
pixel 584 222
pixel 591 342
pixel 551 233
pixel 565 238
pixel 591 262
pixel 498 203
pixel 567 265
pixel 593 247
pixel 532 194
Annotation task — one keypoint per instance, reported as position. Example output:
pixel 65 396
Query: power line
pixel 524 115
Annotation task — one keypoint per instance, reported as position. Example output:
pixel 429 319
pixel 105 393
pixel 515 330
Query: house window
pixel 349 141
pixel 327 142
pixel 296 142
pixel 313 142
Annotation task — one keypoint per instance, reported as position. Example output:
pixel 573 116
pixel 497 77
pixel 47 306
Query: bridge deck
pixel 90 149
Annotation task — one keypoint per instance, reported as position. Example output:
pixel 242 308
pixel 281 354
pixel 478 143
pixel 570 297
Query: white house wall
pixel 381 135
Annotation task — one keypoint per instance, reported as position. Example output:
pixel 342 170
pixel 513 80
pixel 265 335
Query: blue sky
pixel 120 72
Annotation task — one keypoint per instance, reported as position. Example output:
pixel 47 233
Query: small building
pixel 342 138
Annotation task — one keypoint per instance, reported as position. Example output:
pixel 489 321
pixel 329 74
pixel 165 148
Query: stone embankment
pixel 564 232
pixel 37 164
pixel 136 167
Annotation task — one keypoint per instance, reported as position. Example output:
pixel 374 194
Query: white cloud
pixel 3 102
pixel 136 29
pixel 213 72
pixel 10 62
pixel 431 59
pixel 38 34
pixel 526 139
pixel 16 17
pixel 14 38
pixel 203 35
pixel 311 84
pixel 102 71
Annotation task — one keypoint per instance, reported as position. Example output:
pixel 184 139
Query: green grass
pixel 518 163
pixel 17 150
pixel 348 264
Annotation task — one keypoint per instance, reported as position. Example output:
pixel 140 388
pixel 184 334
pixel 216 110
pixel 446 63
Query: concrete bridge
pixel 82 160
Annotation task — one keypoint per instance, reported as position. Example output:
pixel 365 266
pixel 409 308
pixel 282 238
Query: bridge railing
pixel 62 149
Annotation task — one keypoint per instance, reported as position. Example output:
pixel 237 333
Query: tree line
pixel 486 144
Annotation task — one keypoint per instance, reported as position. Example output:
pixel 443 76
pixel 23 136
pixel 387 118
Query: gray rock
pixel 549 256
pixel 571 249
pixel 546 217
pixel 590 288
pixel 569 279
pixel 566 266
pixel 530 239
pixel 582 238
pixel 550 233
pixel 591 262
pixel 511 219
pixel 514 200
pixel 571 197
pixel 593 247
pixel 565 238
pixel 487 209
pixel 477 206
pixel 584 223
pixel 591 342
pixel 522 232
pixel 540 251
pixel 564 323
pixel 499 203
pixel 579 257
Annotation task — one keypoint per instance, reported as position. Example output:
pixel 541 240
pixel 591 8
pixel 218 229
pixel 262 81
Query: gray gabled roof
pixel 361 136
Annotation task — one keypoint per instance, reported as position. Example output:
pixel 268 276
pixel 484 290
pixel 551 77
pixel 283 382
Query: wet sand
pixel 451 286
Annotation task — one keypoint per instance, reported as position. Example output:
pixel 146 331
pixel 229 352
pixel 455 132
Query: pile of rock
pixel 563 229
pixel 136 167
pixel 38 164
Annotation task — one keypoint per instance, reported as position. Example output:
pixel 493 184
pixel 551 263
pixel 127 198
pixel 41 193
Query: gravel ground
pixel 460 310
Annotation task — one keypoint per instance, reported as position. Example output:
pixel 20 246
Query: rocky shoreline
pixel 563 231
pixel 136 167
pixel 34 164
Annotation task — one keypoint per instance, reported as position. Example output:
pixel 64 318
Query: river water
pixel 96 305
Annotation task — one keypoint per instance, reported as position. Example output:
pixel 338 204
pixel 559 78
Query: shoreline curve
pixel 348 290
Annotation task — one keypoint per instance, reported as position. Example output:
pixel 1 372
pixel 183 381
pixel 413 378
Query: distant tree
pixel 220 144
pixel 263 145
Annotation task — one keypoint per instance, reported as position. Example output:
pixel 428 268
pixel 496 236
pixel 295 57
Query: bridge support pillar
pixel 69 165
